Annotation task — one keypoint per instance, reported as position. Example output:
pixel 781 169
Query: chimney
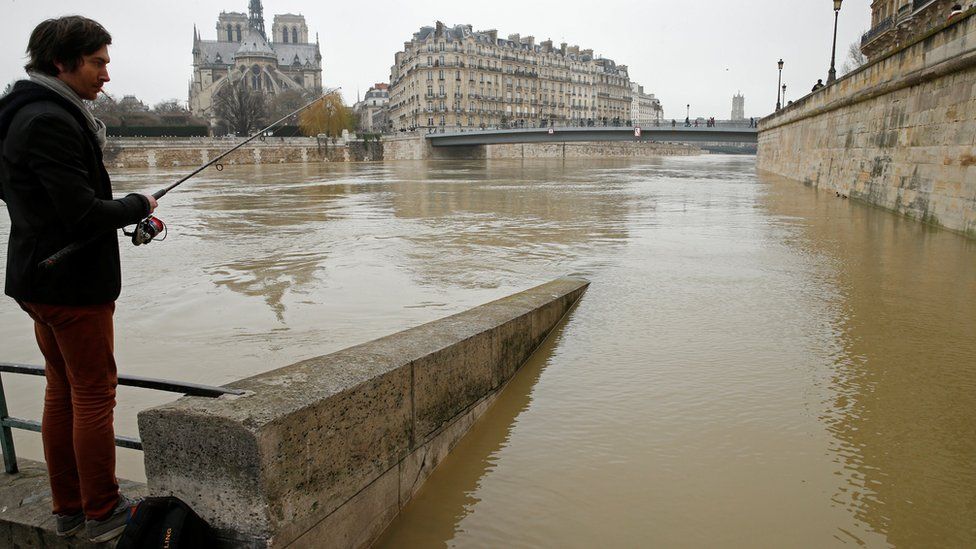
pixel 574 50
pixel 547 46
pixel 493 34
pixel 439 29
pixel 514 38
pixel 530 40
pixel 562 48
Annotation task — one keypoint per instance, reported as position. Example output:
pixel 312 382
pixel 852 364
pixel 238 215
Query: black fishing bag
pixel 166 522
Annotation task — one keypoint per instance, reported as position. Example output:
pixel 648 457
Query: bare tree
pixel 855 58
pixel 170 106
pixel 242 109
pixel 288 101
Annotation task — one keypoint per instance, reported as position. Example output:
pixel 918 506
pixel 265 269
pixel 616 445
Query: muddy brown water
pixel 756 363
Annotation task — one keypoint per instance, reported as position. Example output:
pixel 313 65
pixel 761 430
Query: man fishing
pixel 57 192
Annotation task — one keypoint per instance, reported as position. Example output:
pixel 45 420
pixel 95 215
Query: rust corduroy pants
pixel 79 439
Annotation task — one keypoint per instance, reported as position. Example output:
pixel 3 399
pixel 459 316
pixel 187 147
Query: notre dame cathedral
pixel 243 52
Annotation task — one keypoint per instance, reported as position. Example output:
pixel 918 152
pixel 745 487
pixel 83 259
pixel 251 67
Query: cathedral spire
pixel 256 19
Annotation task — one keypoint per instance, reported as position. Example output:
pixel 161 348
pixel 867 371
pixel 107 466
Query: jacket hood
pixel 24 92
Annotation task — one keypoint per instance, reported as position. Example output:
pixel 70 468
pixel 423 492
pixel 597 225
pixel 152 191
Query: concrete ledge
pixel 25 509
pixel 326 451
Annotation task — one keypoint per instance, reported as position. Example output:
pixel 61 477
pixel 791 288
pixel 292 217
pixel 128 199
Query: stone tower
pixel 738 107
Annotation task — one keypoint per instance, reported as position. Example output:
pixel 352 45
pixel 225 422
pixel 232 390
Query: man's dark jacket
pixel 57 192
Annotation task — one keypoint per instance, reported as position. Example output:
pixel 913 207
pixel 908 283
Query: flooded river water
pixel 756 363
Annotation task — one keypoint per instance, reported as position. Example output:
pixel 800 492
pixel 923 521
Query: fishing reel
pixel 146 230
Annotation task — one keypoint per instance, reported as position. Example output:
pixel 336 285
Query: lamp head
pixel 780 63
pixel 837 4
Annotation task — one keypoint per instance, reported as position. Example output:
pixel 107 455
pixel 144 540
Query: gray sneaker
pixel 69 524
pixel 112 527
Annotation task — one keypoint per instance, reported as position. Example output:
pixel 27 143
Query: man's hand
pixel 152 203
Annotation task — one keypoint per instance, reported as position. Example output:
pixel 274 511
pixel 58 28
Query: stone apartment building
pixel 645 109
pixel 894 23
pixel 243 52
pixel 454 77
pixel 372 109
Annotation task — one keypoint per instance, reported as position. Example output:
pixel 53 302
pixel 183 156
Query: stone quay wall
pixel 604 149
pixel 899 133
pixel 413 146
pixel 189 152
pixel 325 452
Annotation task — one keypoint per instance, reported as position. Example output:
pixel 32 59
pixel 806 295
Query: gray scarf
pixel 96 126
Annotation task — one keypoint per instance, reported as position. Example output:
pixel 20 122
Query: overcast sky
pixel 685 51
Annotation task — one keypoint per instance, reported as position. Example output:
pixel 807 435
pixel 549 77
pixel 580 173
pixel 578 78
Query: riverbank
pixel 899 133
pixel 168 152
pixel 124 153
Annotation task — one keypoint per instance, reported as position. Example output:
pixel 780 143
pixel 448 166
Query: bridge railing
pixel 7 422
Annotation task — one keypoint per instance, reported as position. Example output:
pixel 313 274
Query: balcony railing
pixel 885 25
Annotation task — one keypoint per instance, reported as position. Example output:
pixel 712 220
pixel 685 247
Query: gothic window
pixel 230 34
pixel 256 77
pixel 238 29
pixel 294 35
pixel 284 35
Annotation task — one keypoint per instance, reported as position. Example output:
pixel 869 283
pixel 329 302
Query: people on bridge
pixel 57 192
pixel 673 123
pixel 818 85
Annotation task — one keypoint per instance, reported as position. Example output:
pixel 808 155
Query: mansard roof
pixel 460 32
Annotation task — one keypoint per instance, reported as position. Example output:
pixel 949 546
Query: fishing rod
pixel 151 226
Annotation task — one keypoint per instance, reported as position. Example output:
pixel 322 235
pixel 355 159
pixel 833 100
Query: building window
pixel 294 35
pixel 238 29
pixel 230 33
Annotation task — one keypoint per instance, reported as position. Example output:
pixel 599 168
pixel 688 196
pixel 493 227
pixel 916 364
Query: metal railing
pixel 879 29
pixel 919 4
pixel 7 423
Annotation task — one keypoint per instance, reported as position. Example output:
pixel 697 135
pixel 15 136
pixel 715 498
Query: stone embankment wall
pixel 325 452
pixel 414 147
pixel 899 133
pixel 607 149
pixel 188 152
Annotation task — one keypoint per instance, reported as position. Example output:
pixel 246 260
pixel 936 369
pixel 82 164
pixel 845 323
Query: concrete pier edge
pixel 325 452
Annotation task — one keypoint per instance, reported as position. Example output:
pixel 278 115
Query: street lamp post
pixel 832 74
pixel 778 82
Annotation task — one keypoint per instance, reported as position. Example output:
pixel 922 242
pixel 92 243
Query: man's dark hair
pixel 64 40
